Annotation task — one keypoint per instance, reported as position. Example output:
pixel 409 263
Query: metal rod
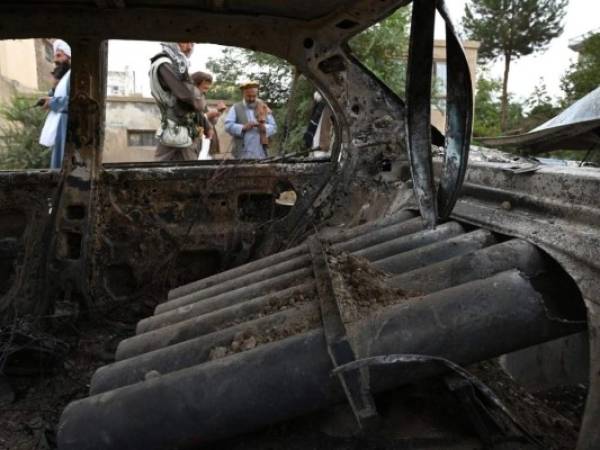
pixel 195 351
pixel 480 264
pixel 268 261
pixel 384 234
pixel 225 300
pixel 206 323
pixel 436 252
pixel 332 236
pixel 410 242
pixel 284 379
pixel 257 276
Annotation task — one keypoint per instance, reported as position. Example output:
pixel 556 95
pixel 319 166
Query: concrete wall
pixel 128 113
pixel 44 64
pixel 18 62
pixel 438 117
pixel 135 113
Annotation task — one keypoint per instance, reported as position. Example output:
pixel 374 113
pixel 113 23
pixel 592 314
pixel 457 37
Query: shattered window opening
pixel 299 123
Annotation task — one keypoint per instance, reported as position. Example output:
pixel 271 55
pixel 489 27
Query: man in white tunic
pixel 54 133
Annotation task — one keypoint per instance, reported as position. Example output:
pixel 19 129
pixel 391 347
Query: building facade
pixel 25 66
pixel 438 108
pixel 131 125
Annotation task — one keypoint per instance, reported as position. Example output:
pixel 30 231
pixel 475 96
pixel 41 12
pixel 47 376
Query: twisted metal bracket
pixel 459 113
pixel 355 383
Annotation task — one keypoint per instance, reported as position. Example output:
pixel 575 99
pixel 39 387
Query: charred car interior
pixel 405 299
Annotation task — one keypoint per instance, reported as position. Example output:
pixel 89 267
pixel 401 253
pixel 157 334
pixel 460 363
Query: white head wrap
pixel 62 46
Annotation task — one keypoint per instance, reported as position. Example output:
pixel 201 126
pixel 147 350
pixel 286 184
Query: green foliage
pixel 20 128
pixel 274 74
pixel 487 109
pixel 584 75
pixel 236 65
pixel 301 104
pixel 383 49
pixel 511 29
pixel 541 107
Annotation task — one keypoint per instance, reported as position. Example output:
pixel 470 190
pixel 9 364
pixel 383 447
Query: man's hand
pixel 46 104
pixel 249 126
pixel 262 127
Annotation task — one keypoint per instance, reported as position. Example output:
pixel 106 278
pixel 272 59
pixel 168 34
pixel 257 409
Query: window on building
pixel 141 138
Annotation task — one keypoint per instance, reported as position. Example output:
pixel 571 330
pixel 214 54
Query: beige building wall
pixel 135 114
pixel 123 115
pixel 18 62
pixel 438 117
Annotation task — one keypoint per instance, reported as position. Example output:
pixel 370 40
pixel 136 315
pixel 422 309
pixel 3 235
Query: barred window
pixel 141 138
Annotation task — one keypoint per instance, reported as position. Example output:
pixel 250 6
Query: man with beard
pixel 251 124
pixel 178 101
pixel 54 133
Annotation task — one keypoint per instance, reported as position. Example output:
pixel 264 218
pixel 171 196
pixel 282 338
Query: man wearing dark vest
pixel 177 101
pixel 251 124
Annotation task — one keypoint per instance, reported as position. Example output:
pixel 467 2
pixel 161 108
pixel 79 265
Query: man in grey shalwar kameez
pixel 243 124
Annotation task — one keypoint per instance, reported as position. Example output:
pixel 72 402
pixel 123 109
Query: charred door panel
pixel 159 227
pixel 25 201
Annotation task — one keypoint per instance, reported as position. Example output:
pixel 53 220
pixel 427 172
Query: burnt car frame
pixel 93 234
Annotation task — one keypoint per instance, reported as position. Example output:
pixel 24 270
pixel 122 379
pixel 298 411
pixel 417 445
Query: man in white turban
pixel 54 133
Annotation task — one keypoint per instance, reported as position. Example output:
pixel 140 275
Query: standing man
pixel 178 101
pixel 251 124
pixel 54 133
pixel 203 82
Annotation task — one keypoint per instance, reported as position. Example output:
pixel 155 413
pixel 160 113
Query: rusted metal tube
pixel 224 300
pixel 257 276
pixel 266 262
pixel 206 300
pixel 332 236
pixel 410 242
pixel 515 253
pixel 386 233
pixel 196 351
pixel 201 324
pixel 381 235
pixel 436 252
pixel 281 380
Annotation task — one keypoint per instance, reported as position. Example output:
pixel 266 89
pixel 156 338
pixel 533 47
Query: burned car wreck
pixel 392 271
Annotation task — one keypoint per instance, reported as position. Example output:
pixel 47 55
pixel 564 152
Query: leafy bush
pixel 20 126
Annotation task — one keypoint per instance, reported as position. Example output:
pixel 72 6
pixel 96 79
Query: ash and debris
pixel 41 372
pixel 542 414
pixel 361 288
pixel 274 306
pixel 251 338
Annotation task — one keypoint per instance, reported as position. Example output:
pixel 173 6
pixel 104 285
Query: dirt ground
pixel 37 386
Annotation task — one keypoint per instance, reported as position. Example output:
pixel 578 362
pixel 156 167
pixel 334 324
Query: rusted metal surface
pixel 437 204
pixel 162 227
pixel 575 128
pixel 122 233
pixel 25 202
pixel 557 210
pixel 297 367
